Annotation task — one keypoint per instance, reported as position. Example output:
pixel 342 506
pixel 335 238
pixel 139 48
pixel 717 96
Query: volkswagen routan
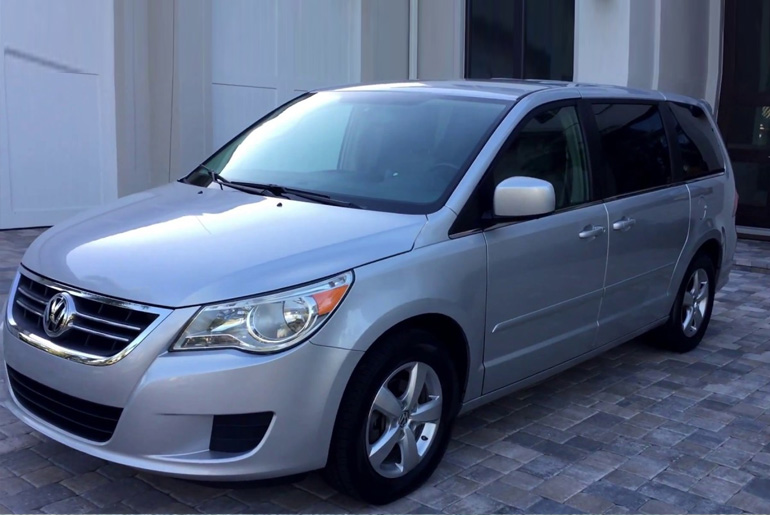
pixel 340 281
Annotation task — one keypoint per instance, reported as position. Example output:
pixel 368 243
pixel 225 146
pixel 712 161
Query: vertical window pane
pixel 550 147
pixel 747 125
pixel 752 180
pixel 634 147
pixel 520 39
pixel 549 39
pixel 753 46
pixel 492 38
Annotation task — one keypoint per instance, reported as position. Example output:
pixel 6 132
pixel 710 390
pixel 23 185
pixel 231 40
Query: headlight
pixel 265 324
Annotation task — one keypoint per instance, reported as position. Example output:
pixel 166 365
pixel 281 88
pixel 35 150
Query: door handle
pixel 623 224
pixel 590 232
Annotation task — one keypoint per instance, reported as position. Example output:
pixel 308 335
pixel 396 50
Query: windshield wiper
pixel 274 190
pixel 240 186
pixel 313 196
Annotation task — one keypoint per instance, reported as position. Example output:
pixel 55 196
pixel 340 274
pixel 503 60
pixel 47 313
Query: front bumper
pixel 169 401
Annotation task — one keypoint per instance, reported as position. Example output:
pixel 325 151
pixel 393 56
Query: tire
pixel 688 320
pixel 362 428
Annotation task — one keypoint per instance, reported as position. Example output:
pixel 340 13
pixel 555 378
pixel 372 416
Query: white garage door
pixel 57 129
pixel 265 52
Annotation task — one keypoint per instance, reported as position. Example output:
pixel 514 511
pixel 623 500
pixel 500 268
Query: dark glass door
pixel 744 107
pixel 520 39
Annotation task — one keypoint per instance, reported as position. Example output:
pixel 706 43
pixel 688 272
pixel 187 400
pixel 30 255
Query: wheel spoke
pixel 428 412
pixel 688 318
pixel 703 291
pixel 697 318
pixel 387 403
pixel 410 456
pixel 416 383
pixel 692 286
pixel 383 446
pixel 688 299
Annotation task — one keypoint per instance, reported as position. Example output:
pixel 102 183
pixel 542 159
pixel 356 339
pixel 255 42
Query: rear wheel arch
pixel 713 249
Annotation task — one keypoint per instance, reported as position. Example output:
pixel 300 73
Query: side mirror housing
pixel 522 197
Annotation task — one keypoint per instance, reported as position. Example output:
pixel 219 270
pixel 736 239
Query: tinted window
pixel 494 31
pixel 697 142
pixel 520 39
pixel 550 146
pixel 549 36
pixel 634 147
pixel 391 150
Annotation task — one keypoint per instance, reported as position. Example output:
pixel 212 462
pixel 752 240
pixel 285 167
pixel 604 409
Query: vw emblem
pixel 58 314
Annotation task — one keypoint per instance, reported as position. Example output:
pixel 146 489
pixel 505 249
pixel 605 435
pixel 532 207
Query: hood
pixel 181 245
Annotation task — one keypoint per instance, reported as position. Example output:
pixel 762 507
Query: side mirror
pixel 519 197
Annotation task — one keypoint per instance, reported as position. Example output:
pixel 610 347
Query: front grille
pixel 98 328
pixel 239 433
pixel 83 418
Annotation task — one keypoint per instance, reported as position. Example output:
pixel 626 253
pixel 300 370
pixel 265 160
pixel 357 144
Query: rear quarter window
pixel 698 143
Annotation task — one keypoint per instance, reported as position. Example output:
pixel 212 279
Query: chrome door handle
pixel 590 232
pixel 623 224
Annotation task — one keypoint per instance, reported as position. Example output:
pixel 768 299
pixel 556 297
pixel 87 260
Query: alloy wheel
pixel 695 302
pixel 404 419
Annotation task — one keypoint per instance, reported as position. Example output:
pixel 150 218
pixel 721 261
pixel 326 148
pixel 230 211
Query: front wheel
pixel 692 308
pixel 395 418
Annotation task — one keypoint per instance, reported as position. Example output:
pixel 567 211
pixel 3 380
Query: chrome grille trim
pixel 106 321
pixel 28 300
pixel 100 333
pixel 32 296
pixel 29 308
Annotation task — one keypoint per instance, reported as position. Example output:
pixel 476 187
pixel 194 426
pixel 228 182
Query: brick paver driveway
pixel 635 430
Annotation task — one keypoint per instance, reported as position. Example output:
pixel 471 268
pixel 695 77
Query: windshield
pixel 391 151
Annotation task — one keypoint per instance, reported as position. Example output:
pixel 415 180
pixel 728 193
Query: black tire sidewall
pixel 355 474
pixel 678 340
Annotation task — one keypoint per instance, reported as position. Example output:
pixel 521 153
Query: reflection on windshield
pixel 389 150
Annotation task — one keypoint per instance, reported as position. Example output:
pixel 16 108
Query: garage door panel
pixel 55 144
pixel 57 109
pixel 37 27
pixel 266 52
pixel 245 42
pixel 236 107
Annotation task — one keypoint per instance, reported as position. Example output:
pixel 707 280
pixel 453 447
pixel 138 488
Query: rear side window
pixel 697 142
pixel 634 146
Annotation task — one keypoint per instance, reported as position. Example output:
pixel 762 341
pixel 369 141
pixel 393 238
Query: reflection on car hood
pixel 180 245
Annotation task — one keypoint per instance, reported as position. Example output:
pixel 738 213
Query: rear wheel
pixel 692 308
pixel 395 418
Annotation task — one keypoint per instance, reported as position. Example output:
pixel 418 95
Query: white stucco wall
pixel 384 40
pixel 441 39
pixel 602 39
pixel 670 45
pixel 684 34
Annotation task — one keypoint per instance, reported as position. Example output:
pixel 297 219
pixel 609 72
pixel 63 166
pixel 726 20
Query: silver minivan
pixel 335 285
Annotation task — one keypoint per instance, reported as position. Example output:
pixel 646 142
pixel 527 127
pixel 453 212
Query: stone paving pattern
pixel 753 255
pixel 634 430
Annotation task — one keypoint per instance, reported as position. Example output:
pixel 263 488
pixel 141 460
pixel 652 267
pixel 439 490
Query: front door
pixel 649 217
pixel 545 276
pixel 744 109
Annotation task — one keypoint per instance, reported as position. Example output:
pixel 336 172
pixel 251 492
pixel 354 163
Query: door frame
pixel 731 96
